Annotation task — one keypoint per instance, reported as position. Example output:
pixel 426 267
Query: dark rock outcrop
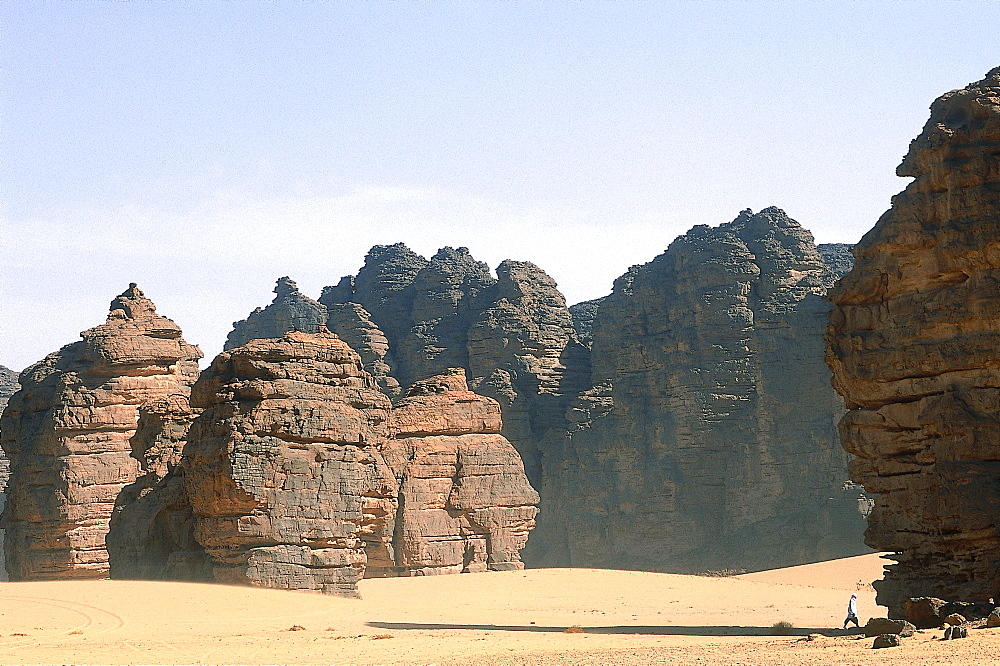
pixel 67 432
pixel 583 315
pixel 912 344
pixel 8 386
pixel 464 502
pixel 708 439
pixel 289 311
pixel 837 257
pixel 151 535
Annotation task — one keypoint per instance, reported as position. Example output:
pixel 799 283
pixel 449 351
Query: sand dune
pixel 491 618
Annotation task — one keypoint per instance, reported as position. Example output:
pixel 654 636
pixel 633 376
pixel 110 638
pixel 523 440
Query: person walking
pixel 852 612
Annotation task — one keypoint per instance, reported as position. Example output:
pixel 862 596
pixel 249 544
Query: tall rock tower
pixel 913 340
pixel 67 433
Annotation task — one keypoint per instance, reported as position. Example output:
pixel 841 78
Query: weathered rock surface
pixel 912 344
pixel 283 468
pixel 354 325
pixel 67 432
pixel 837 257
pixel 882 625
pixel 8 386
pixel 412 318
pixel 583 315
pixel 464 502
pixel 151 535
pixel 289 311
pixel 708 440
pixel 886 641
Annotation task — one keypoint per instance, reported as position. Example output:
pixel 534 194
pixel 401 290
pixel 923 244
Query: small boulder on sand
pixel 886 640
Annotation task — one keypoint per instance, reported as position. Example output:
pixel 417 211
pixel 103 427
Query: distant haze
pixel 205 149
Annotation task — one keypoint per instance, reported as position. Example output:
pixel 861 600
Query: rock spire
pixel 912 343
pixel 67 432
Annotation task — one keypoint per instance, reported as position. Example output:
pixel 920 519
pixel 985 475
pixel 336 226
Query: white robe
pixel 852 607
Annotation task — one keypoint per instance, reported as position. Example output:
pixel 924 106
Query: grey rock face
pixel 8 386
pixel 583 315
pixel 353 324
pixel 708 439
pixel 289 311
pixel 837 257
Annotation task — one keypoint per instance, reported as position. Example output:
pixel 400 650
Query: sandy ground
pixel 515 618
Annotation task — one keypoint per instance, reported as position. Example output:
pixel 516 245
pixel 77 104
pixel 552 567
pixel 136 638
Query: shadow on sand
pixel 665 630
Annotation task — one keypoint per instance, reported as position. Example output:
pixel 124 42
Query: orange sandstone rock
pixel 912 343
pixel 465 503
pixel 68 431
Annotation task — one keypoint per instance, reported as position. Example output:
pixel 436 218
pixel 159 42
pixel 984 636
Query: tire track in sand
pixel 96 621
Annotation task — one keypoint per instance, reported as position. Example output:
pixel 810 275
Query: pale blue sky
pixel 204 149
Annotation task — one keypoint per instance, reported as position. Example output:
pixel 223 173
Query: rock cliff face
pixel 300 476
pixel 708 438
pixel 151 535
pixel 354 325
pixel 464 502
pixel 289 311
pixel 412 318
pixel 837 257
pixel 284 472
pixel 8 386
pixel 583 319
pixel 67 432
pixel 912 344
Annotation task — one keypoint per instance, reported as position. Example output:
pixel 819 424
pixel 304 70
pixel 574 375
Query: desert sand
pixel 517 617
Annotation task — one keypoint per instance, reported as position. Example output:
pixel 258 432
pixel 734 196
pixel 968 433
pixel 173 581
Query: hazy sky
pixel 204 149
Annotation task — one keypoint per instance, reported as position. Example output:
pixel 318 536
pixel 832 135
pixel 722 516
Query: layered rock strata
pixel 708 439
pixel 283 469
pixel 411 318
pixel 583 315
pixel 8 386
pixel 912 343
pixel 464 502
pixel 354 325
pixel 151 535
pixel 67 432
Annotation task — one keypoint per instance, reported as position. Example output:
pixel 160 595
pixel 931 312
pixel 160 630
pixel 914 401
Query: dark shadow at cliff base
pixel 659 630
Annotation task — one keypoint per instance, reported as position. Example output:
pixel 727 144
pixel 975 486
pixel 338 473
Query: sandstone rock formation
pixel 411 318
pixel 67 432
pixel 353 324
pixel 8 386
pixel 708 439
pixel 912 345
pixel 289 311
pixel 464 502
pixel 151 534
pixel 283 469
